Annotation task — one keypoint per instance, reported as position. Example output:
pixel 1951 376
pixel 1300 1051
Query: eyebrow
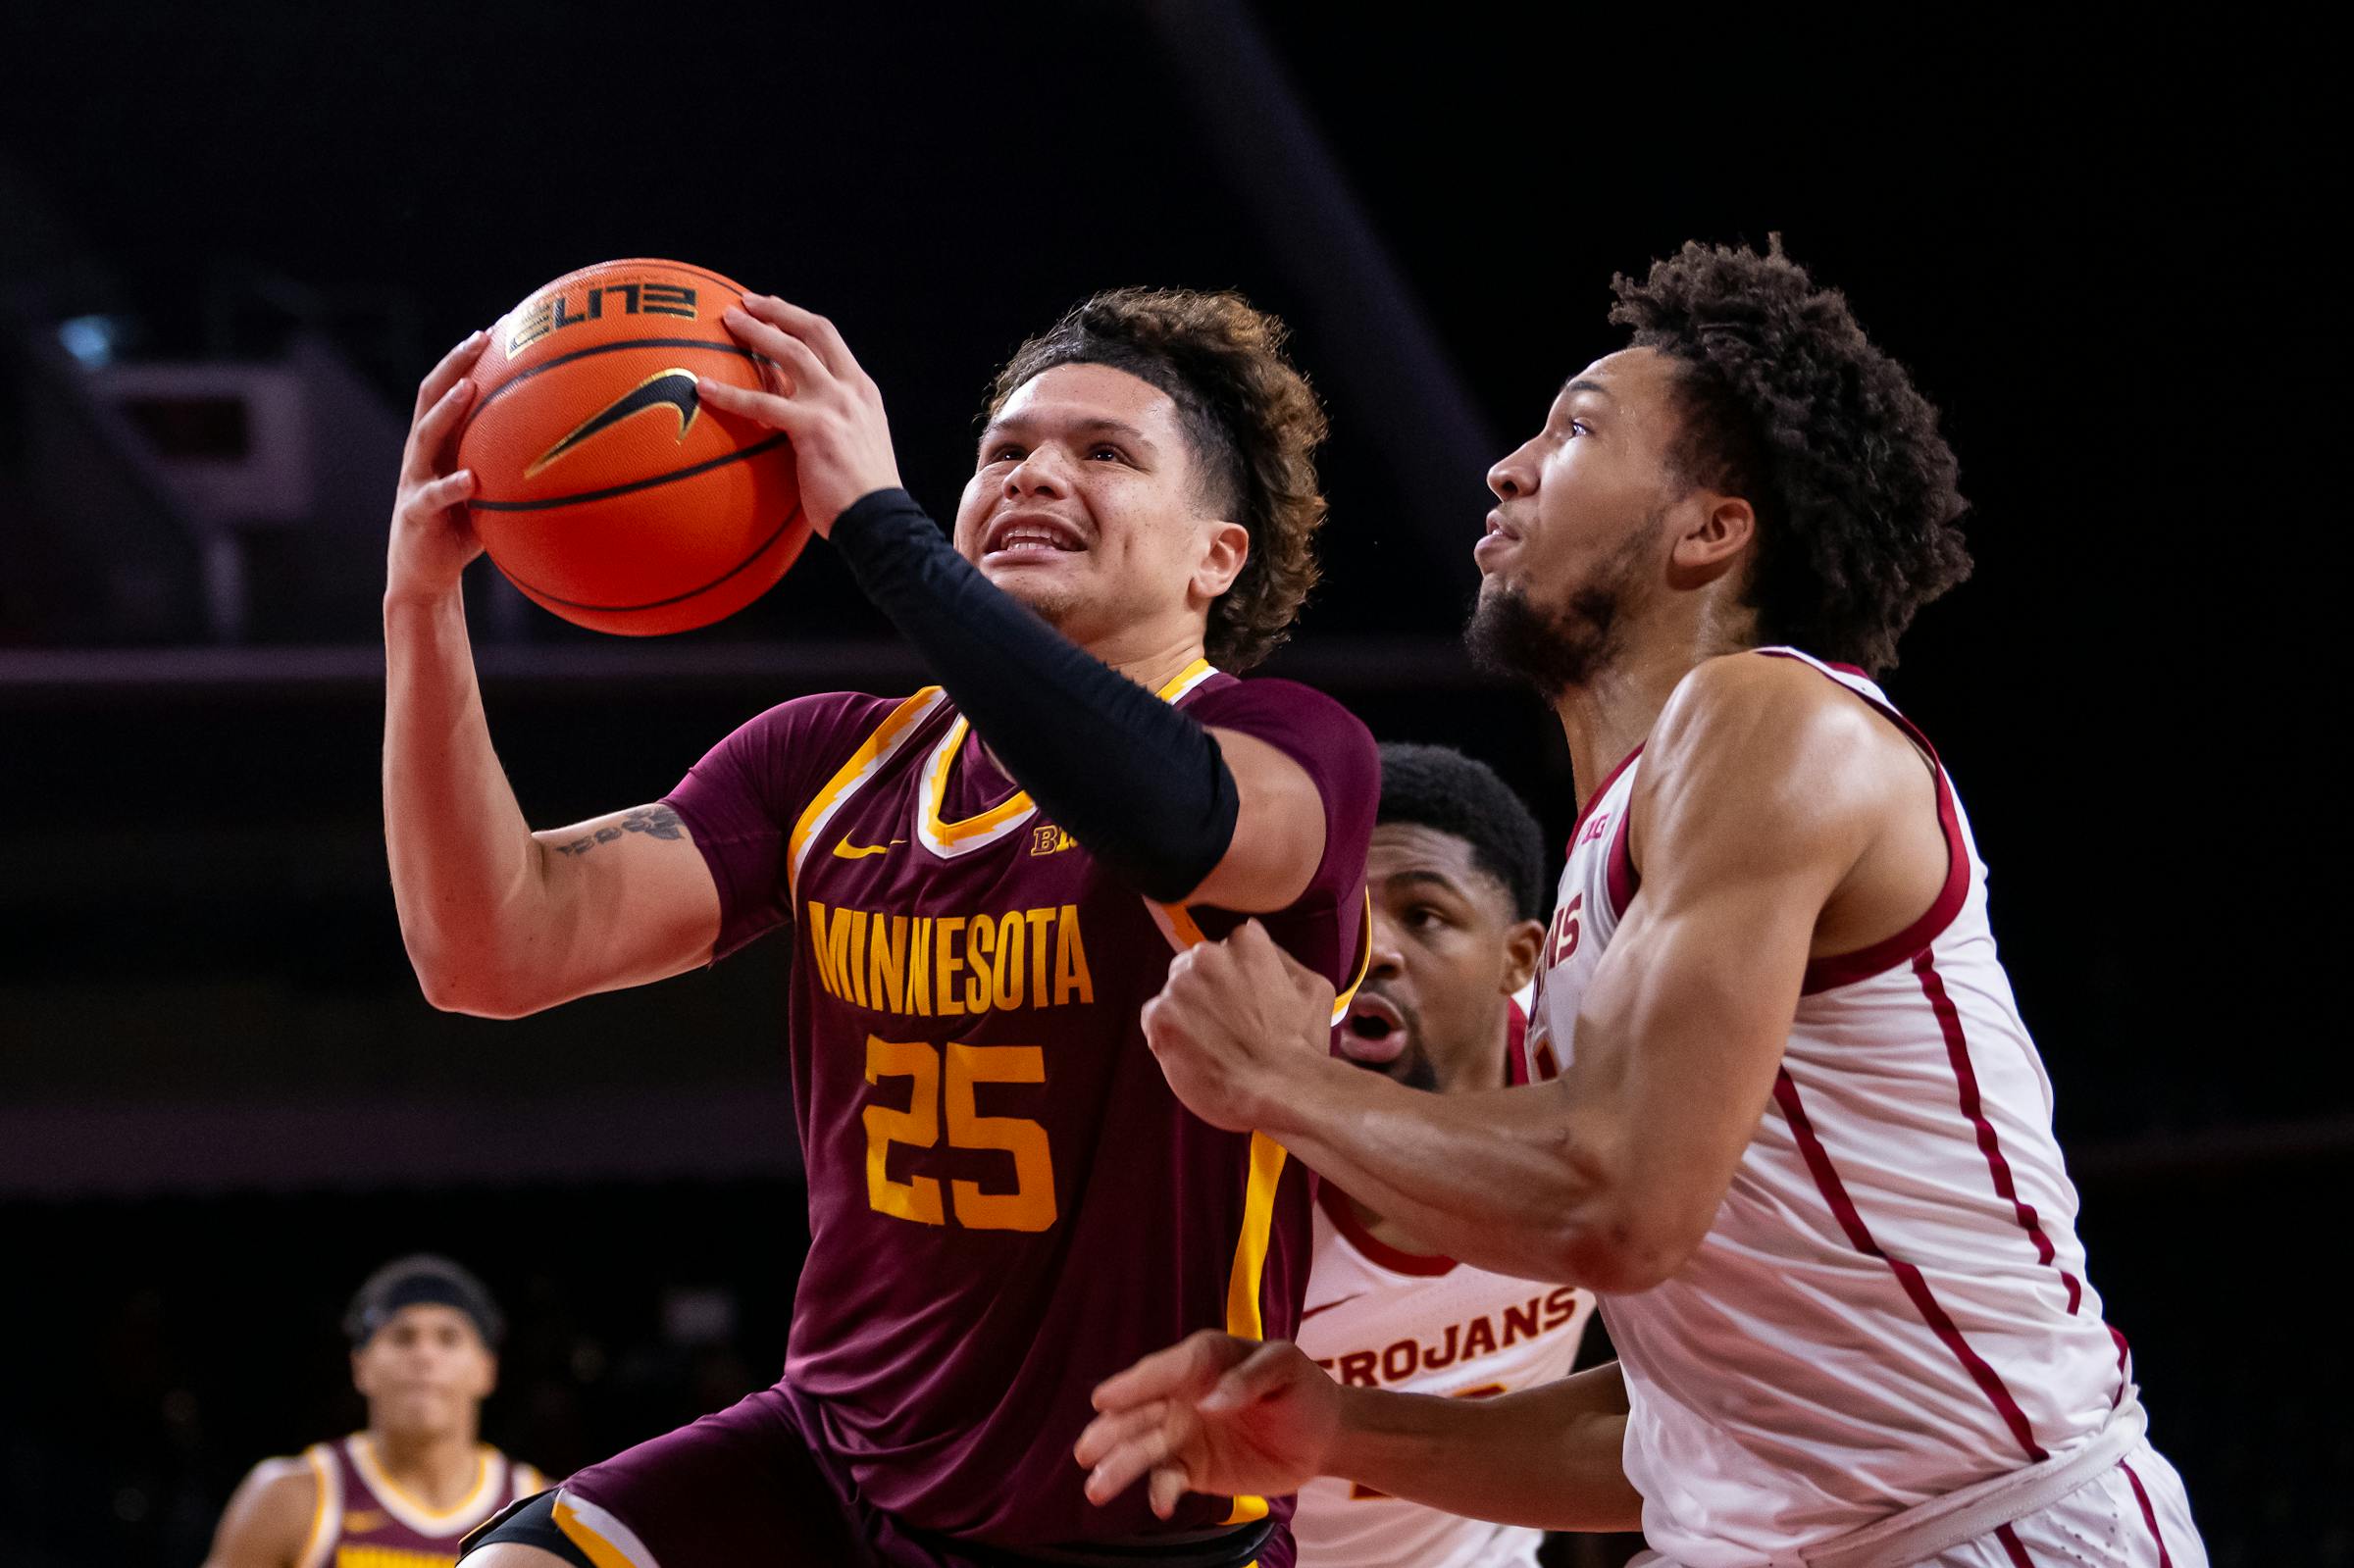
pixel 1084 426
pixel 1579 383
pixel 1440 879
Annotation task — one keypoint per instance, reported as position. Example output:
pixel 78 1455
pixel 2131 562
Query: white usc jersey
pixel 1380 1317
pixel 1891 1304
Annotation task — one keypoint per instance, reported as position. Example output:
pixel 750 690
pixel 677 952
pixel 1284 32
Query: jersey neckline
pixel 949 838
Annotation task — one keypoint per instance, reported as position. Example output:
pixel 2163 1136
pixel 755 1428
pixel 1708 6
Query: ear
pixel 1714 532
pixel 489 1385
pixel 1225 546
pixel 1522 944
pixel 358 1372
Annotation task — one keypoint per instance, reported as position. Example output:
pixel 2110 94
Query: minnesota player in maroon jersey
pixel 405 1491
pixel 983 884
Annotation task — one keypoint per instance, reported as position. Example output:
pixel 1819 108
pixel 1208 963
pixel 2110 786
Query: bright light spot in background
pixel 91 340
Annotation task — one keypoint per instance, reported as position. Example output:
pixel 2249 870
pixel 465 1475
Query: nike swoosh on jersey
pixel 673 389
pixel 846 850
pixel 365 1521
pixel 1329 1305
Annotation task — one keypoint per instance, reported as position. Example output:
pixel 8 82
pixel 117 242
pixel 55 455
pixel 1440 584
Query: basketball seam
pixel 676 599
pixel 648 262
pixel 520 377
pixel 647 484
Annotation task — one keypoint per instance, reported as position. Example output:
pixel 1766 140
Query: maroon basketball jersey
pixel 362 1519
pixel 1007 1203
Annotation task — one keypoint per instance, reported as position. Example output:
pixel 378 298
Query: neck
pixel 440 1467
pixel 1608 716
pixel 1149 656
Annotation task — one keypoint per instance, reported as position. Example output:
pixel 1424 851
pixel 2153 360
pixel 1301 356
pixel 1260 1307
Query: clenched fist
pixel 1235 1016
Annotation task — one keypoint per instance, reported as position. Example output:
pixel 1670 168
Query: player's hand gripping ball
pixel 605 487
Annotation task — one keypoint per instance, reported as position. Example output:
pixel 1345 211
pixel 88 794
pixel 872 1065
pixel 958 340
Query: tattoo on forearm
pixel 655 822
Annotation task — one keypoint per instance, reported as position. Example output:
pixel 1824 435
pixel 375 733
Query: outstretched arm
pixel 1762 791
pixel 1184 814
pixel 1226 1416
pixel 497 920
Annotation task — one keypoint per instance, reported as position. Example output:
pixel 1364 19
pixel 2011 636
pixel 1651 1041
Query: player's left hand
pixel 815 391
pixel 1233 1018
pixel 1211 1413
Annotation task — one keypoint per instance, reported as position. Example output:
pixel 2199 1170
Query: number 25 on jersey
pixel 1030 1206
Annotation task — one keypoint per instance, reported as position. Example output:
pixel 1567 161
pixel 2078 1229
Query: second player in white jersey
pixel 1891 1306
pixel 1456 878
pixel 1379 1316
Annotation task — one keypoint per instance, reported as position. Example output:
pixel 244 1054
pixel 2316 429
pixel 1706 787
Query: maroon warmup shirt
pixel 1007 1203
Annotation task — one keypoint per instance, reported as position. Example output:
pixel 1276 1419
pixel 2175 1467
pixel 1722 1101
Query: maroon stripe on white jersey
pixel 2149 1515
pixel 1846 969
pixel 1620 876
pixel 2012 1549
pixel 1601 789
pixel 1966 1078
pixel 1915 1288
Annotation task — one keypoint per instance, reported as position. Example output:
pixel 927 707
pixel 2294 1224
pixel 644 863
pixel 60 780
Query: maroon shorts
pixel 754 1487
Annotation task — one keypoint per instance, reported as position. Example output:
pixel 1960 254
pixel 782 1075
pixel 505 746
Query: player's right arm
pixel 1226 1416
pixel 500 921
pixel 269 1517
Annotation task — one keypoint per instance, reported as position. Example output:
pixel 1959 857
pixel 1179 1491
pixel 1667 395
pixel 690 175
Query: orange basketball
pixel 604 490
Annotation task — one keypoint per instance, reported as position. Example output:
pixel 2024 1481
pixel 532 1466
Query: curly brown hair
pixel 1787 405
pixel 1254 423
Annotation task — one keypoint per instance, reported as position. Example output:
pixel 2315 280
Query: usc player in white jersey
pixel 1801 1140
pixel 1457 877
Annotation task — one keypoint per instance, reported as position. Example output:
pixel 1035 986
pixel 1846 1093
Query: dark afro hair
pixel 1440 788
pixel 1253 421
pixel 1790 407
pixel 376 1300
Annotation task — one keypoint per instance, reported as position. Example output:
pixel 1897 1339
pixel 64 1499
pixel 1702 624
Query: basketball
pixel 604 490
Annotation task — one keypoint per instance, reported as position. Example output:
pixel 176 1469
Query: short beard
pixel 1419 1074
pixel 1509 635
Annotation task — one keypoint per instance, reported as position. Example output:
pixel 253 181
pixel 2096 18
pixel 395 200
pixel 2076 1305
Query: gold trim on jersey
pixel 363 1556
pixel 1364 962
pixel 1177 924
pixel 1243 1318
pixel 878 748
pixel 949 840
pixel 326 1508
pixel 415 1512
pixel 607 1541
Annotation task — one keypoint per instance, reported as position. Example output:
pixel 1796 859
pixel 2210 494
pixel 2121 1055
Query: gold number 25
pixel 1030 1206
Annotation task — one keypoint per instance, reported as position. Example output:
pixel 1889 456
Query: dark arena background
pixel 233 238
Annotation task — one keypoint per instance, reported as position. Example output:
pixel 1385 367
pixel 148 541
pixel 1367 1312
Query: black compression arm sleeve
pixel 1143 787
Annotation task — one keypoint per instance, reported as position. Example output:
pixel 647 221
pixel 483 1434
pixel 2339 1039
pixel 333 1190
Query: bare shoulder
pixel 1769 749
pixel 1759 716
pixel 1775 707
pixel 269 1517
